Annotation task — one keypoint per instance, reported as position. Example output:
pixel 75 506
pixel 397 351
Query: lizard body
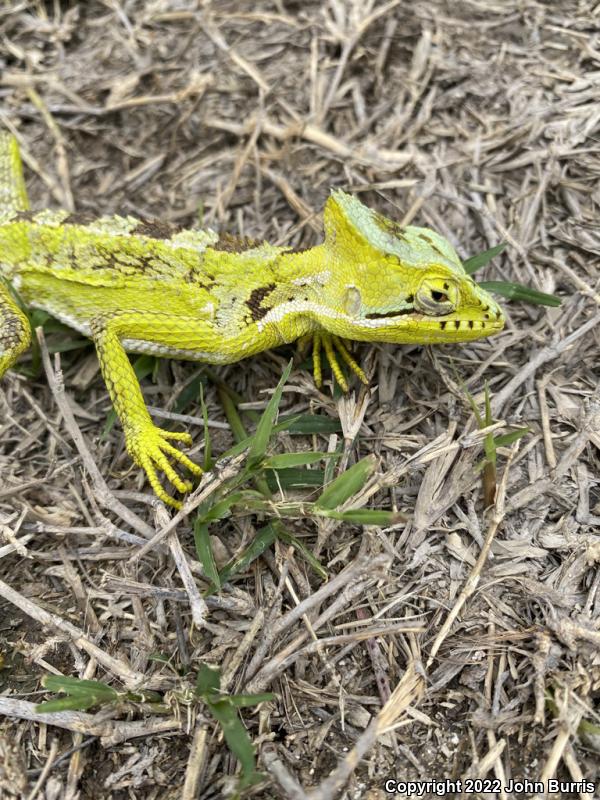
pixel 140 286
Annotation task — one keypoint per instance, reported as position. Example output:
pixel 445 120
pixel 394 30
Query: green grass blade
pixel 508 438
pixel 237 739
pixel 81 694
pixel 207 440
pixel 144 365
pixel 288 538
pixel 295 478
pixel 205 553
pixel 476 262
pixel 240 434
pixel 263 539
pixel 208 681
pixel 489 445
pixel 223 709
pixel 222 508
pixel 74 703
pixel 489 420
pixel 78 686
pixel 489 448
pixel 248 700
pixel 287 460
pixel 516 291
pixel 472 403
pixel 232 414
pixel 302 424
pixel 365 516
pixel 347 484
pixel 307 424
pixel 330 465
pixel 264 429
pixel 189 393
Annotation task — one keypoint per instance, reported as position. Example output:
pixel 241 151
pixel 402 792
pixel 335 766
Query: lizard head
pixel 395 284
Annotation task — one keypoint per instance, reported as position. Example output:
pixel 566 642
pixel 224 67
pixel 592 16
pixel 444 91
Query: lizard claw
pixel 330 344
pixel 149 449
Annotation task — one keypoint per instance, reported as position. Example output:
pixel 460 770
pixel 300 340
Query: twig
pixel 116 666
pixel 408 692
pixel 570 716
pixel 196 762
pixel 535 361
pixel 197 603
pixel 291 787
pixel 45 770
pixel 473 579
pixel 111 731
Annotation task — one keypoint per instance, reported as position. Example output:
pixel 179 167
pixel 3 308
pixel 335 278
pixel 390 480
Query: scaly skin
pixel 149 287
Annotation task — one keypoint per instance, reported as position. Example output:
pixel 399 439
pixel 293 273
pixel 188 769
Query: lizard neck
pixel 296 299
pixel 306 272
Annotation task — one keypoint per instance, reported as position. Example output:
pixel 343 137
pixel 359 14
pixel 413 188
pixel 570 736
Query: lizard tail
pixel 13 194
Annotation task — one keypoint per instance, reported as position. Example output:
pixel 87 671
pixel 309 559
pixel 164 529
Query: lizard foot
pixel 330 344
pixel 149 448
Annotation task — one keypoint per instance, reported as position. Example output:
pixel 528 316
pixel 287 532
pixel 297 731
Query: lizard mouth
pixel 490 322
pixel 443 323
pixel 470 324
pixel 390 314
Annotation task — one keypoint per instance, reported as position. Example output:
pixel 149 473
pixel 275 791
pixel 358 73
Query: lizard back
pixel 76 267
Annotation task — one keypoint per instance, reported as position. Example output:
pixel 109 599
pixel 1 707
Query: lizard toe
pixel 176 436
pixel 328 344
pixel 145 461
pixel 332 347
pixel 182 459
pixel 150 451
pixel 340 346
pixel 163 464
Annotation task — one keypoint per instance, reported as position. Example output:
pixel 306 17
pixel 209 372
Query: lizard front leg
pixel 330 344
pixel 147 444
pixel 15 332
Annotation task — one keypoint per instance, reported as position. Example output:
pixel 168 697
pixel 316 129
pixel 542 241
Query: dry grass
pixel 479 119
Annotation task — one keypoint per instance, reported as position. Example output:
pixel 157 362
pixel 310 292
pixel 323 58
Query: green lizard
pixel 149 287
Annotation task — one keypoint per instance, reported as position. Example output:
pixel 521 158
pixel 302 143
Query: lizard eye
pixel 436 297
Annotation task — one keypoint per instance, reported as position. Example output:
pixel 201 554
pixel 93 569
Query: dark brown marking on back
pixel 199 279
pixel 156 229
pixel 256 297
pixel 227 243
pixel 80 218
pixel 24 216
